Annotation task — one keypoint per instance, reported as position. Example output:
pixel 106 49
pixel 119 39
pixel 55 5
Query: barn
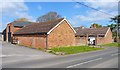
pixel 54 33
pixel 93 36
pixel 11 28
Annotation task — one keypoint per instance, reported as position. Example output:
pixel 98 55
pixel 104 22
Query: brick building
pixel 11 28
pixel 45 35
pixel 93 36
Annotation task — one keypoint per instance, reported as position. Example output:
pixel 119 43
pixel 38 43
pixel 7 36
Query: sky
pixel 76 14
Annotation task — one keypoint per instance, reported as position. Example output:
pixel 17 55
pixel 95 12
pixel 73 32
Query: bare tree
pixel 49 16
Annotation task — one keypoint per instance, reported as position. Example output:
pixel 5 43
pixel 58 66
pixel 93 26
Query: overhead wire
pixel 80 3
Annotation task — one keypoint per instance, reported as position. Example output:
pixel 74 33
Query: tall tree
pixel 115 19
pixel 114 30
pixel 115 27
pixel 49 16
pixel 112 27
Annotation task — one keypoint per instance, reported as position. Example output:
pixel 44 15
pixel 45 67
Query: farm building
pixel 55 33
pixel 93 36
pixel 11 28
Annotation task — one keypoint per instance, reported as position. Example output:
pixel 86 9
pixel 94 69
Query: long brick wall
pixel 34 41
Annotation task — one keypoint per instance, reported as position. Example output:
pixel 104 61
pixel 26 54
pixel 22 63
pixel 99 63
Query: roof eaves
pixel 42 33
pixel 55 27
pixel 107 31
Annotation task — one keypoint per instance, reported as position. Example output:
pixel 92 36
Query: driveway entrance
pixel 14 53
pixel 91 40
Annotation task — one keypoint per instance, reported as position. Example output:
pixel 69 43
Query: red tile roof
pixel 40 28
pixel 91 31
pixel 20 23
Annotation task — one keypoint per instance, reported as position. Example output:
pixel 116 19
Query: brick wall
pixel 105 40
pixel 34 41
pixel 12 30
pixel 99 40
pixel 63 35
pixel 9 29
pixel 81 40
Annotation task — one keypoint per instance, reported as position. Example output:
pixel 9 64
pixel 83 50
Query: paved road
pixel 13 53
pixel 107 58
pixel 0 55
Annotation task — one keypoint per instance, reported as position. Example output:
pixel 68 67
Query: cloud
pixel 21 15
pixel 39 8
pixel 111 5
pixel 12 0
pixel 13 6
pixel 14 9
pixel 94 16
pixel 76 6
pixel 100 0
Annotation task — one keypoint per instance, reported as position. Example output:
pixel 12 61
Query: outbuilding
pixel 93 36
pixel 11 28
pixel 55 33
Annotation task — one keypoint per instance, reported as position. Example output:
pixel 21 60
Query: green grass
pixel 111 45
pixel 74 49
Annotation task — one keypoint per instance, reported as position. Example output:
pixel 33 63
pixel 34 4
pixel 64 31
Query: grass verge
pixel 111 45
pixel 72 49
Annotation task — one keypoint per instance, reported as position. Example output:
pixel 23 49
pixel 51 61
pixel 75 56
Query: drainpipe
pixel 46 42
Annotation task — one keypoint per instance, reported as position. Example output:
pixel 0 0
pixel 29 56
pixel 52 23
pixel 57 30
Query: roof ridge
pixel 39 27
pixel 101 30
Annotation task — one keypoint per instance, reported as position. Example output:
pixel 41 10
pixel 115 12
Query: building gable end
pixel 59 24
pixel 107 32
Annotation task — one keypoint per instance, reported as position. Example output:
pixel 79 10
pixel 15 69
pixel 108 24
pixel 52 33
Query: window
pixel 81 36
pixel 100 35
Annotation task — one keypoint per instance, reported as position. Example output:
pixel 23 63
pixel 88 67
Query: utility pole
pixel 118 30
pixel 118 23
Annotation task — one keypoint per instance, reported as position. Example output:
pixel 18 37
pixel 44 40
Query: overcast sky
pixel 77 15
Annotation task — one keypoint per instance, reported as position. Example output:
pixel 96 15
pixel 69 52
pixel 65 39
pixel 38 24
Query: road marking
pixel 4 56
pixel 115 54
pixel 21 55
pixel 83 63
